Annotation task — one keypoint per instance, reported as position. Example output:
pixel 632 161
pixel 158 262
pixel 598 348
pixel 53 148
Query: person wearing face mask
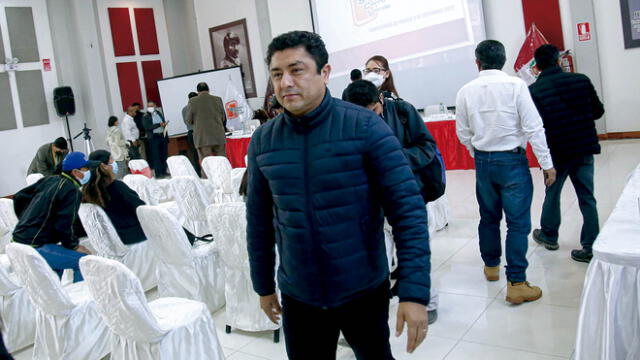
pixel 154 125
pixel 377 71
pixel 47 211
pixel 48 157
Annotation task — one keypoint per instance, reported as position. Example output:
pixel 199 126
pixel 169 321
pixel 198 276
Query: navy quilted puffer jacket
pixel 317 188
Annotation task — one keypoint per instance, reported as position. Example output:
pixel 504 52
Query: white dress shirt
pixel 495 112
pixel 129 129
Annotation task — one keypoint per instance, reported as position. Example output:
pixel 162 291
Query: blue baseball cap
pixel 77 160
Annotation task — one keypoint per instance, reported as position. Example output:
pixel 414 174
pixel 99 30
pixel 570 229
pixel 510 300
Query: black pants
pixel 158 154
pixel 193 152
pixel 312 333
pixel 4 354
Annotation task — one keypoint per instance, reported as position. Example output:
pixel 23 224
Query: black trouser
pixel 159 154
pixel 4 354
pixel 193 152
pixel 312 333
pixel 134 152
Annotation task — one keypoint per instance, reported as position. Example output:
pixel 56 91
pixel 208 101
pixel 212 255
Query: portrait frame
pixel 216 37
pixel 630 12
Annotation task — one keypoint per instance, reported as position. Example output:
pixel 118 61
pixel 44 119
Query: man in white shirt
pixel 495 118
pixel 131 133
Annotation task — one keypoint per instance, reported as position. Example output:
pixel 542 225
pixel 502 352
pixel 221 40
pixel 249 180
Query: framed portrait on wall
pixel 230 47
pixel 630 10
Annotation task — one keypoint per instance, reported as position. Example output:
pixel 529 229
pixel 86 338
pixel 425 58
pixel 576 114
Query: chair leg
pixel 276 336
pixel 227 329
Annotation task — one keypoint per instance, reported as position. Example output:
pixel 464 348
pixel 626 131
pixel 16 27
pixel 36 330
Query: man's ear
pixel 325 72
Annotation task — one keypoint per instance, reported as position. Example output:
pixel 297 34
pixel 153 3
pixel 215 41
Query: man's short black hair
pixel 60 143
pixel 491 55
pixel 356 74
pixel 546 56
pixel 192 94
pixel 136 104
pixel 202 87
pixel 112 120
pixel 362 92
pixel 311 42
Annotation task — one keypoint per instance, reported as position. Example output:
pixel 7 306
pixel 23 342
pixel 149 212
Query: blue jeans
pixel 61 258
pixel 580 171
pixel 503 182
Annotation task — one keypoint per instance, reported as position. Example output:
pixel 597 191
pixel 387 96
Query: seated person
pixel 115 197
pixel 48 156
pixel 47 211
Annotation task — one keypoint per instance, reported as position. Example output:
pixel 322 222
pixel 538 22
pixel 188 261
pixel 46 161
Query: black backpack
pixel 432 177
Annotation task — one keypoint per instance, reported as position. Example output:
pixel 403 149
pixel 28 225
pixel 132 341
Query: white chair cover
pixel 219 173
pixel 67 323
pixel 228 222
pixel 192 201
pixel 167 328
pixel 152 194
pixel 183 271
pixel 236 180
pixel 179 165
pixel 17 314
pixel 8 221
pixel 140 166
pixel 33 178
pixel 107 243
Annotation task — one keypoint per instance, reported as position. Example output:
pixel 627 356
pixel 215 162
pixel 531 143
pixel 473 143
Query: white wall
pixel 619 67
pixel 186 56
pixel 282 20
pixel 504 21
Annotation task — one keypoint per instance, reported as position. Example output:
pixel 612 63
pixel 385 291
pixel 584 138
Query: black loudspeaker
pixel 64 101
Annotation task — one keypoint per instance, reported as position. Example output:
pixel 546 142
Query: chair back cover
pixel 179 165
pixel 146 188
pixel 176 270
pixel 101 233
pixel 7 286
pixel 218 170
pixel 33 178
pixel 8 217
pixel 41 283
pixel 140 167
pixel 120 299
pixel 192 200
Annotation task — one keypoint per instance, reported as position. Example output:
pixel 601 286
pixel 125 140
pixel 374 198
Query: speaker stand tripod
pixel 66 118
pixel 88 143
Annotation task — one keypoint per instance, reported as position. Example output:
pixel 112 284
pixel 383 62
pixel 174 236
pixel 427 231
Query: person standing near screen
pixel 206 113
pixel 193 152
pixel 154 125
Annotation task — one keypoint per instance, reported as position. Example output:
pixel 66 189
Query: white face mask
pixel 151 109
pixel 376 79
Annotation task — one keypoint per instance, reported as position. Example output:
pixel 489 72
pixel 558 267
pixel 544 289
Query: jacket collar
pixel 313 118
pixel 492 72
pixel 550 71
pixel 73 180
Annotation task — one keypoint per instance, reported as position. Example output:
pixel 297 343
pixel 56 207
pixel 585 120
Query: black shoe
pixel 581 255
pixel 433 316
pixel 539 237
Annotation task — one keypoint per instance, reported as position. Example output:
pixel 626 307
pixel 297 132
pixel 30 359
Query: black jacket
pixel 47 211
pixel 147 122
pixel 568 105
pixel 121 209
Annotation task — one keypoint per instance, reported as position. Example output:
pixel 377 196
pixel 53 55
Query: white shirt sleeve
pixel 127 132
pixel 463 129
pixel 532 126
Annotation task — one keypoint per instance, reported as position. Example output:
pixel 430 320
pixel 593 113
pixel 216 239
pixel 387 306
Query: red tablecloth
pixel 456 156
pixel 236 150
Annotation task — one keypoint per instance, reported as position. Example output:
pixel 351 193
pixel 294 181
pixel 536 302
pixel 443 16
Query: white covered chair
pixel 8 221
pixel 107 243
pixel 179 165
pixel 33 178
pixel 438 214
pixel 152 194
pixel 183 271
pixel 192 200
pixel 166 328
pixel 219 173
pixel 67 323
pixel 17 314
pixel 228 223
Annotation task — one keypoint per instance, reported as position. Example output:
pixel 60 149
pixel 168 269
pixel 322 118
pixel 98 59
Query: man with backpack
pixel 418 146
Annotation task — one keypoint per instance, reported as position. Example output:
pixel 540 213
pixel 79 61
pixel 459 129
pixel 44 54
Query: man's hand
pixel 415 315
pixel 82 249
pixel 136 142
pixel 271 306
pixel 549 176
pixel 163 124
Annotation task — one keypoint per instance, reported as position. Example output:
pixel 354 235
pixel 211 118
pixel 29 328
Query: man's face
pixel 296 82
pixel 59 151
pixel 233 49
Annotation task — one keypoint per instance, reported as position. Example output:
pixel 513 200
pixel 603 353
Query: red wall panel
pixel 152 72
pixel 121 32
pixel 146 27
pixel 546 15
pixel 129 83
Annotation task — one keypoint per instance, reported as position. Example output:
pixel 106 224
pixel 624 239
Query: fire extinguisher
pixel 566 61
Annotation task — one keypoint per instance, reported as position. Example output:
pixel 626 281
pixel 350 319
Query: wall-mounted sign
pixel 584 31
pixel 46 64
pixel 630 10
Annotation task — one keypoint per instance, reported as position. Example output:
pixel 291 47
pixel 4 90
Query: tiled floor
pixel 474 320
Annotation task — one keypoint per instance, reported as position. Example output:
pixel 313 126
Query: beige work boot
pixel 492 273
pixel 519 292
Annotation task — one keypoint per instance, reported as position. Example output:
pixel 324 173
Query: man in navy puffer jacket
pixel 321 175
